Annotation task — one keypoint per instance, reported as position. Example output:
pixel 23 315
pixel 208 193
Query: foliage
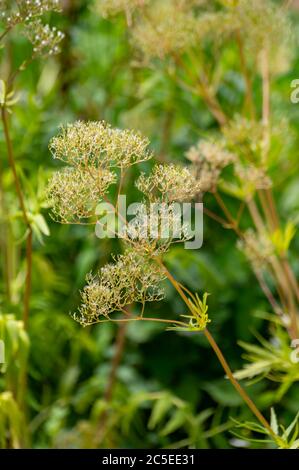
pixel 185 88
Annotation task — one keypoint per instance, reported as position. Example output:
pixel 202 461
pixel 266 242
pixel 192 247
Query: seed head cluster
pixel 169 183
pixel 168 27
pixel 91 150
pixel 14 12
pixel 252 178
pixel 208 159
pixel 97 144
pixel 112 7
pixel 74 193
pixel 131 278
pixel 45 40
pixel 257 248
pixel 161 28
pixel 156 227
pixel 28 13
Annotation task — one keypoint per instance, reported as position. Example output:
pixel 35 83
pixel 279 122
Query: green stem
pixel 19 191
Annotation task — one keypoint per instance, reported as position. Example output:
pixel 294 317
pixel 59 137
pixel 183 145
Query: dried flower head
pixel 155 227
pixel 73 193
pixel 45 40
pixel 245 138
pixel 168 27
pixel 263 24
pixel 14 12
pixel 97 144
pixel 260 23
pixel 209 158
pixel 257 248
pixel 130 279
pixel 27 13
pixel 252 179
pixel 112 7
pixel 169 183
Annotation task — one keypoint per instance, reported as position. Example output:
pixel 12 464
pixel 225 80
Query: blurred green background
pixel 169 390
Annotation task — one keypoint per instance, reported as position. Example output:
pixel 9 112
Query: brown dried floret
pixel 168 27
pixel 209 158
pixel 131 278
pixel 73 193
pixel 14 12
pixel 97 144
pixel 45 40
pixel 170 183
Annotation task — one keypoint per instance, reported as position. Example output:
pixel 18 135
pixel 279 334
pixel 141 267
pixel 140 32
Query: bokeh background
pixel 168 390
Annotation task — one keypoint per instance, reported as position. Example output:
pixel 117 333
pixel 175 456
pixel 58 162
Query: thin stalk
pixel 249 96
pixel 211 101
pixel 215 217
pixel 119 350
pixel 266 99
pixel 266 110
pixel 276 224
pixel 272 205
pixel 23 66
pixel 5 32
pixel 236 384
pixel 291 276
pixel 4 241
pixel 276 307
pixel 28 281
pixel 282 286
pixel 139 318
pixel 233 224
pixel 267 211
pixel 285 263
pixel 19 191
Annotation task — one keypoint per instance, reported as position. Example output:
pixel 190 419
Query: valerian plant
pixel 240 160
pixel 136 276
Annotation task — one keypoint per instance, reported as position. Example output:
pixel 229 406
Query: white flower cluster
pixel 45 40
pixel 21 11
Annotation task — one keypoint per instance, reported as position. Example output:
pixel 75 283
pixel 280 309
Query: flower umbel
pixel 132 278
pixel 209 158
pixel 169 183
pixel 73 193
pixel 98 144
pixel 45 40
pixel 169 27
pixel 21 11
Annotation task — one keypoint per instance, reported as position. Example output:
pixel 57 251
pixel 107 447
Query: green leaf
pixel 176 421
